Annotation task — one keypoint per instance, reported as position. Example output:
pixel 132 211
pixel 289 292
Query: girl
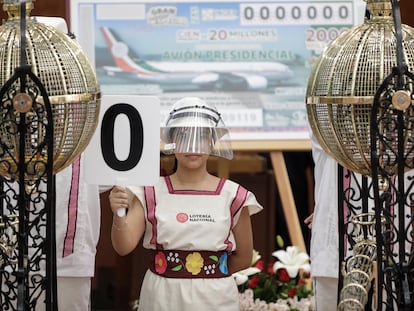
pixel 196 225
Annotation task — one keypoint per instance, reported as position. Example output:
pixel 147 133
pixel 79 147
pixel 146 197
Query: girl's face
pixel 192 140
pixel 191 160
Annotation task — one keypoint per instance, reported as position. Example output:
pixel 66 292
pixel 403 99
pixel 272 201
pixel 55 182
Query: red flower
pixel 283 276
pixel 259 265
pixel 292 292
pixel 253 282
pixel 270 268
pixel 270 285
pixel 160 263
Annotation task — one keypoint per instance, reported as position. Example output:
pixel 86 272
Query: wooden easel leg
pixel 286 197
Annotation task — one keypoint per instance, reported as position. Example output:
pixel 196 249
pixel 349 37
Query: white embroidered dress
pixel 191 221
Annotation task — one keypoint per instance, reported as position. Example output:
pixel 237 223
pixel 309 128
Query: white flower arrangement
pixel 292 260
pixel 248 303
pixel 284 286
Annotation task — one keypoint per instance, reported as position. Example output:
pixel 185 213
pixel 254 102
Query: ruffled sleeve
pixel 251 204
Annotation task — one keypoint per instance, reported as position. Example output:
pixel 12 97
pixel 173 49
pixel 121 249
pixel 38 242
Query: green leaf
pixel 177 268
pixel 258 292
pixel 213 257
pixel 280 242
pixel 267 285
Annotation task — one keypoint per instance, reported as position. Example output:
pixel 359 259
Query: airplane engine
pixel 256 82
pixel 240 82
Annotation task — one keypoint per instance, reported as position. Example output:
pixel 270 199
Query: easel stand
pixel 286 197
pixel 276 149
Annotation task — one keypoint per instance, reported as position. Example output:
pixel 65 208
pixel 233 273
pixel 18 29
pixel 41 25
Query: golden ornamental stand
pixel 360 107
pixel 50 101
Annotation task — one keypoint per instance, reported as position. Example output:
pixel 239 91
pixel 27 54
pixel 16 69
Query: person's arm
pixel 241 258
pixel 126 231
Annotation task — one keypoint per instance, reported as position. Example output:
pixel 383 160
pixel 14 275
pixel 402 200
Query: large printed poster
pixel 249 58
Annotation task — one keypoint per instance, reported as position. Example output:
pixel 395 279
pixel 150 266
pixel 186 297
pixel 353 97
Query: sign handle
pixel 121 182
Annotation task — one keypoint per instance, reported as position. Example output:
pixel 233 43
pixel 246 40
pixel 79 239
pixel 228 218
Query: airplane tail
pixel 123 57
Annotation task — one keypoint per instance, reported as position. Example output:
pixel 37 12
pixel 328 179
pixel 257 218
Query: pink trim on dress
pixel 69 241
pixel 194 192
pixel 236 205
pixel 150 205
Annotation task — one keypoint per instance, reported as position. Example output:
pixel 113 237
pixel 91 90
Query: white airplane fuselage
pixel 230 75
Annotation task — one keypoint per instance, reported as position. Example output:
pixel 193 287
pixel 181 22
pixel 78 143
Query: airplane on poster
pixel 194 75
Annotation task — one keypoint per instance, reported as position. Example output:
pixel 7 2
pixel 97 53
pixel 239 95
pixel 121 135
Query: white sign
pixel 126 143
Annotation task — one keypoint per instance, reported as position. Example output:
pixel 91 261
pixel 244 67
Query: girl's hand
pixel 309 220
pixel 118 198
pixel 128 230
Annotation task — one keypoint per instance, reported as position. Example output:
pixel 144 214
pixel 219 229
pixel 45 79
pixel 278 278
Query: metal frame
pixel 27 204
pixel 377 232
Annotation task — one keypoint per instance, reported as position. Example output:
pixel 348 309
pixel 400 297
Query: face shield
pixel 195 127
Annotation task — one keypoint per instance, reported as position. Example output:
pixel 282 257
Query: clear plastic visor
pixel 196 133
pixel 197 140
pixel 196 130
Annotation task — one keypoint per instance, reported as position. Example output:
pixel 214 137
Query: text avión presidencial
pixel 229 55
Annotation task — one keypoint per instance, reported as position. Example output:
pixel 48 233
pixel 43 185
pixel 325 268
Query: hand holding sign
pixel 121 182
pixel 125 146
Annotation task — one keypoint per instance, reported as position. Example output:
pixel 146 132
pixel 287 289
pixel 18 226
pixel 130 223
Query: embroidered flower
pixel 223 264
pixel 194 263
pixel 160 263
pixel 173 257
pixel 210 269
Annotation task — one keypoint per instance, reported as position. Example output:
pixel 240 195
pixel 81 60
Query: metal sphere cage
pixel 72 88
pixel 343 82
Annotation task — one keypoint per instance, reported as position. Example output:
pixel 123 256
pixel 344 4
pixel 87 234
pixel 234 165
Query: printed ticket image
pixel 251 59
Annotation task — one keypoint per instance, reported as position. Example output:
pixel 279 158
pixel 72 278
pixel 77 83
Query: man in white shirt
pixel 78 216
pixel 324 224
